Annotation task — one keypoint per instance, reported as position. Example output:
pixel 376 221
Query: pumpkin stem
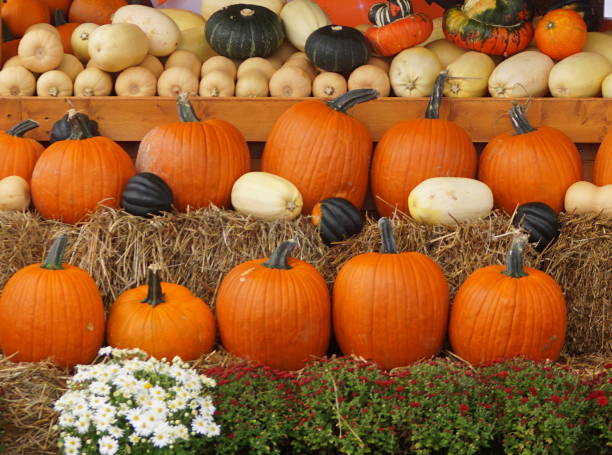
pixel 279 258
pixel 155 295
pixel 23 127
pixel 55 257
pixel 519 121
pixel 59 17
pixel 433 107
pixel 78 126
pixel 514 258
pixel 386 234
pixel 186 112
pixel 351 98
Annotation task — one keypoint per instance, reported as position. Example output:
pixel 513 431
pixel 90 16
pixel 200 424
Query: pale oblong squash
pixel 71 65
pixel 162 32
pixel 40 50
pixel 153 64
pixel 208 7
pixel 468 75
pixel 217 84
pixel 14 193
pixel 521 75
pixel 194 40
pixel 446 51
pixel 579 75
pixel 136 81
pixel 301 18
pixel 185 59
pixel 114 47
pixel 219 63
pixel 93 81
pixel 256 63
pixel 290 82
pixel 586 197
pixel 184 19
pixel 413 72
pixel 370 76
pixel 174 81
pixel 17 81
pixel 329 85
pixel 437 33
pixel 54 83
pixel 600 43
pixel 79 40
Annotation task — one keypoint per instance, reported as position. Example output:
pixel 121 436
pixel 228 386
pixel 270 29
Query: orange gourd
pixel 53 5
pixel 96 11
pixel 51 310
pixel 392 38
pixel 200 160
pixel 320 149
pixel 274 311
pixel 529 164
pixel 19 154
pixel 504 312
pixel 414 150
pixel 602 168
pixel 390 307
pixel 65 29
pixel 74 176
pixel 561 33
pixel 9 49
pixel 163 319
pixel 18 15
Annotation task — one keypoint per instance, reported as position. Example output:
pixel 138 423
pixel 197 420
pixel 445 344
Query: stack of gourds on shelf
pixel 272 48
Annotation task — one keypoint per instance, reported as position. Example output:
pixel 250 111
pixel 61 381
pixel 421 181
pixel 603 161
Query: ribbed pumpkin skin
pixel 414 150
pixel 200 161
pixel 97 11
pixel 72 177
pixel 602 168
pixel 183 325
pixel 18 155
pixel 535 166
pixel 494 315
pixel 401 34
pixel 390 308
pixel 323 152
pixel 276 317
pixel 51 313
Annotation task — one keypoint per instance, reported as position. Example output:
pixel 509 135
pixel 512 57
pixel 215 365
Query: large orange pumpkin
pixel 163 319
pixel 414 150
pixel 322 150
pixel 19 154
pixel 561 33
pixel 18 15
pixel 96 11
pixel 602 168
pixel 65 29
pixel 51 310
pixel 274 310
pixel 504 312
pixel 529 164
pixel 200 161
pixel 390 307
pixel 72 177
pixel 54 5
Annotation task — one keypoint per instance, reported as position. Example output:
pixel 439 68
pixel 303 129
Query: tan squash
pixel 79 40
pixel 71 65
pixel 174 81
pixel 585 197
pixel 40 50
pixel 370 76
pixel 17 81
pixel 300 60
pixel 194 40
pixel 301 18
pixel 114 47
pixel 468 75
pixel 13 61
pixel 284 51
pixel 256 63
pixel 600 43
pixel 217 84
pixel 43 26
pixel 136 81
pixel 290 82
pixel 329 85
pixel 380 62
pixel 252 84
pixel 185 59
pixel 162 32
pixel 437 32
pixel 219 63
pixel 54 83
pixel 93 81
pixel 579 75
pixel 14 193
pixel 153 64
pixel 446 51
pixel 184 19
pixel 606 86
pixel 413 72
pixel 521 75
pixel 208 7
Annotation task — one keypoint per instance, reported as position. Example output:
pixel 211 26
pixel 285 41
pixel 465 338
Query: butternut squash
pixel 71 65
pixel 14 193
pixel 446 51
pixel 93 81
pixel 40 50
pixel 290 82
pixel 79 40
pixel 370 76
pixel 253 83
pixel 185 59
pixel 329 85
pixel 17 81
pixel 221 63
pixel 136 81
pixel 114 47
pixel 54 83
pixel 256 63
pixel 468 75
pixel 174 81
pixel 413 72
pixel 217 83
pixel 153 64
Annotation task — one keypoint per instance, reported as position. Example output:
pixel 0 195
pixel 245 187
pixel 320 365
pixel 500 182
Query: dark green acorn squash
pixel 241 31
pixel 338 48
pixel 540 221
pixel 61 130
pixel 146 194
pixel 337 219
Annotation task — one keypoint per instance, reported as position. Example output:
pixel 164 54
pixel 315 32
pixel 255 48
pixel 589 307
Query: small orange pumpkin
pixel 53 5
pixel 400 34
pixel 602 168
pixel 65 29
pixel 19 154
pixel 96 11
pixel 561 33
pixel 18 15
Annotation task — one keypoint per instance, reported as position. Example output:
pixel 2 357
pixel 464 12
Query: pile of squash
pixel 272 48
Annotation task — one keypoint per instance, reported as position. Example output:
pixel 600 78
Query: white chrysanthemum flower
pixel 72 442
pixel 134 438
pixel 66 420
pixel 106 350
pixel 97 402
pixel 213 429
pixel 115 432
pixel 80 408
pixel 162 436
pixel 82 425
pixel 200 425
pixel 82 376
pixel 158 393
pixel 99 388
pixel 107 445
pixel 208 382
pixel 103 420
pixel 179 432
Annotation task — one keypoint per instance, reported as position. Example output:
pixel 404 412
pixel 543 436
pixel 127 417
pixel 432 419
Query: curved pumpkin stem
pixel 279 258
pixel 78 127
pixel 186 112
pixel 514 258
pixel 155 295
pixel 59 17
pixel 55 257
pixel 433 107
pixel 351 98
pixel 519 121
pixel 386 234
pixel 23 127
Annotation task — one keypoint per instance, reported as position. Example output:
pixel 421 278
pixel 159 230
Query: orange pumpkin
pixel 51 310
pixel 274 311
pixel 390 307
pixel 529 164
pixel 163 319
pixel 19 154
pixel 65 29
pixel 200 161
pixel 504 312
pixel 561 33
pixel 320 149
pixel 9 49
pixel 74 176
pixel 602 168
pixel 18 15
pixel 96 11
pixel 400 34
pixel 414 150
pixel 54 5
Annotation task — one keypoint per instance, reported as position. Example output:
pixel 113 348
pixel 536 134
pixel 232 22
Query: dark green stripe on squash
pixel 338 48
pixel 146 194
pixel 337 219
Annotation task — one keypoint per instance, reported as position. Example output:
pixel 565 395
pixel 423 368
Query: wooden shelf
pixel 585 120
